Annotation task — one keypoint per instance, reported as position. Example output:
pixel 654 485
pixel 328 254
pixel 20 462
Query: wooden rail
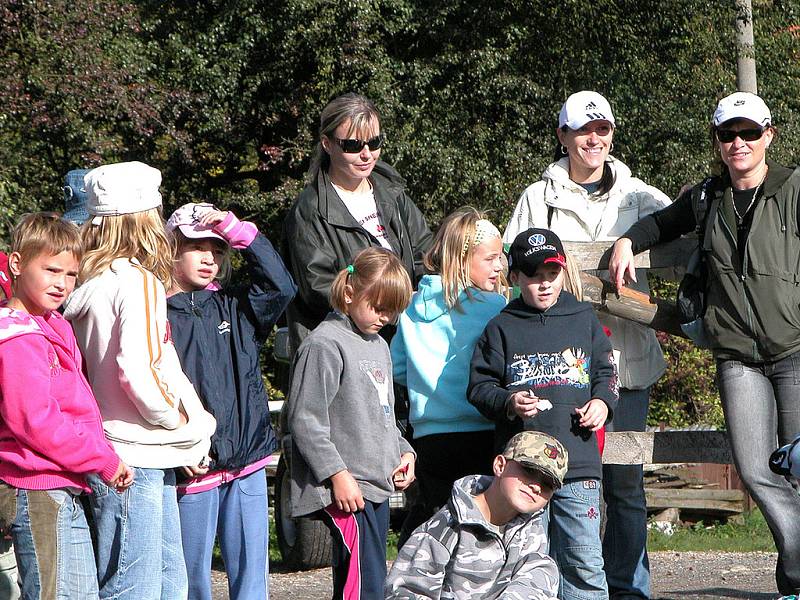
pixel 666 447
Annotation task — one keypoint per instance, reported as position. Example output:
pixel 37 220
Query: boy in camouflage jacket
pixel 488 541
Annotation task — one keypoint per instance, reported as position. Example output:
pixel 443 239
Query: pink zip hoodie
pixel 51 435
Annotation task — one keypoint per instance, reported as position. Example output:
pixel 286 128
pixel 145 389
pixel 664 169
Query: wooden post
pixel 745 48
pixel 668 260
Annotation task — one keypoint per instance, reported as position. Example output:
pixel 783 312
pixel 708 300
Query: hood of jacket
pixel 14 323
pixel 556 178
pixel 428 303
pixel 466 512
pixel 79 300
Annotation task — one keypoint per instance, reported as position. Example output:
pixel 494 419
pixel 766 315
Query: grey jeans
pixel 761 402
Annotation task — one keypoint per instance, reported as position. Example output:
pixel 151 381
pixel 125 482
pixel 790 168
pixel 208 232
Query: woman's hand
pixel 593 414
pixel 346 493
pixel 620 266
pixel 403 476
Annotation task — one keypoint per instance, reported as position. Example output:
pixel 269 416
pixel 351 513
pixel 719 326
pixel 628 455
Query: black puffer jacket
pixel 218 336
pixel 321 238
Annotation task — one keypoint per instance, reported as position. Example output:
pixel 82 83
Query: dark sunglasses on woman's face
pixel 726 136
pixel 351 146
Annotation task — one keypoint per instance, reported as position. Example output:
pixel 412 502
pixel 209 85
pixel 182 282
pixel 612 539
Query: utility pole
pixel 745 48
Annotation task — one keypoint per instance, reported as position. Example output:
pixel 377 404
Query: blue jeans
pixel 572 520
pixel 627 566
pixel 761 403
pixel 52 545
pixel 237 513
pixel 9 588
pixel 139 553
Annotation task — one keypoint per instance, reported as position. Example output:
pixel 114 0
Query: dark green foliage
pixel 224 97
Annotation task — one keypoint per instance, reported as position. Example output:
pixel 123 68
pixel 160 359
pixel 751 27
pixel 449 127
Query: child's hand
pixel 123 478
pixel 209 216
pixel 593 414
pixel 523 404
pixel 198 470
pixel 346 493
pixel 403 476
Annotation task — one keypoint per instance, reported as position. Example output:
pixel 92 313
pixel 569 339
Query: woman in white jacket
pixel 587 195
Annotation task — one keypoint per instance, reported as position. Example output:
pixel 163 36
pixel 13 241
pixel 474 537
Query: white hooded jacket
pixel 558 203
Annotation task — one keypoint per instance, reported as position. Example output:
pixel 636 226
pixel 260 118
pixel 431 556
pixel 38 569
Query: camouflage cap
pixel 539 452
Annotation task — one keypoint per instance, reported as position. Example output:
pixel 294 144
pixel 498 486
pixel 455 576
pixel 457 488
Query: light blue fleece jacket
pixel 431 353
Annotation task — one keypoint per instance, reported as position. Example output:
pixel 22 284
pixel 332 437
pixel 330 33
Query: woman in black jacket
pixel 352 201
pixel 752 315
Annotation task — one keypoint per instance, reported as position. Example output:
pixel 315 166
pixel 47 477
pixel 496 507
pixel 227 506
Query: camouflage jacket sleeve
pixel 535 578
pixel 418 573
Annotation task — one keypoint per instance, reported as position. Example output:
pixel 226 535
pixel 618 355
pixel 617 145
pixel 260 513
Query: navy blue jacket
pixel 218 336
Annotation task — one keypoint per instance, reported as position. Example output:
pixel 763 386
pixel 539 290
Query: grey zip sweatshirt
pixel 341 415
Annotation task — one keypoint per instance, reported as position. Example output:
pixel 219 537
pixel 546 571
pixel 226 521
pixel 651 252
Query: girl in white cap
pixel 751 247
pixel 151 412
pixel 588 195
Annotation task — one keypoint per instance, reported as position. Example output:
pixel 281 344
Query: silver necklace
pixel 741 217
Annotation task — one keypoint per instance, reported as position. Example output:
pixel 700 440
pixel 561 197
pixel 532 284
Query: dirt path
pixel 676 576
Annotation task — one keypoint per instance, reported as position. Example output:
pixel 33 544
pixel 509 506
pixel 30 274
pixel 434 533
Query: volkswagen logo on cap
pixel 537 239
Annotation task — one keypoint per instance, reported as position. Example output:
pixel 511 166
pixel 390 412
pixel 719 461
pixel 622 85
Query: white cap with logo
pixel 583 107
pixel 742 105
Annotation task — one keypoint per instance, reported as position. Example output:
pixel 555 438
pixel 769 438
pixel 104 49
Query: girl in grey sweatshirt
pixel 347 453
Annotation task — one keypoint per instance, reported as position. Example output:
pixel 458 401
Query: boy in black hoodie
pixel 544 363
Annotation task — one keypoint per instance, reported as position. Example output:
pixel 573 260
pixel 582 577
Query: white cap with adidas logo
pixel 583 107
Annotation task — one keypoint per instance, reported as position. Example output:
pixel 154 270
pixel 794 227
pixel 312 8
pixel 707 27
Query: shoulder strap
pixel 550 211
pixel 704 215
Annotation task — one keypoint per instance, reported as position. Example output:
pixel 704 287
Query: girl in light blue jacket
pixel 431 353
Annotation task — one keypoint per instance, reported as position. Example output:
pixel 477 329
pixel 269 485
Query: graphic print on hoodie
pixel 561 354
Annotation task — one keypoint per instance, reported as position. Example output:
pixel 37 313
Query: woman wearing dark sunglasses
pixel 588 195
pixel 352 200
pixel 752 313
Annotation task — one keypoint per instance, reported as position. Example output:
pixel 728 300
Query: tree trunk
pixel 745 48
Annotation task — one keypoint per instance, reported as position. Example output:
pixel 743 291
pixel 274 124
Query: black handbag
pixel 692 291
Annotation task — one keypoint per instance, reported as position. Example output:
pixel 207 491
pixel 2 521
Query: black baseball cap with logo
pixel 534 247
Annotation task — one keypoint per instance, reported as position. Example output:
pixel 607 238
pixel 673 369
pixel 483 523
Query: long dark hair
pixel 357 108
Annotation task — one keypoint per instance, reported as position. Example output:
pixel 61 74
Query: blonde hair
pixel 361 113
pixel 377 276
pixel 225 266
pixel 448 259
pixel 138 235
pixel 572 277
pixel 45 233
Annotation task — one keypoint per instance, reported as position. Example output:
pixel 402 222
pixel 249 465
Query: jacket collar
pixel 386 184
pixel 776 177
pixel 466 512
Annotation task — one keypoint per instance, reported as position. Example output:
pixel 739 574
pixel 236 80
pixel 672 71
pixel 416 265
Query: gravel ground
pixel 676 576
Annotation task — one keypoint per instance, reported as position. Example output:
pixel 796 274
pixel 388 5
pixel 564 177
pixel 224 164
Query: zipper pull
pixel 195 310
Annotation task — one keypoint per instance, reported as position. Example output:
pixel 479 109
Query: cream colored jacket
pixel 579 217
pixel 120 321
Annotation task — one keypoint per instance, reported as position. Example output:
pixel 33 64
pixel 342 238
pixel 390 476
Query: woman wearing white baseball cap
pixel 752 320
pixel 588 195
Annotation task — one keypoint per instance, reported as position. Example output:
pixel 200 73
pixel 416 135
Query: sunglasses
pixel 351 146
pixel 726 136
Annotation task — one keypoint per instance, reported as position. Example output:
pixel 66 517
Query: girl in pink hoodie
pixel 51 435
